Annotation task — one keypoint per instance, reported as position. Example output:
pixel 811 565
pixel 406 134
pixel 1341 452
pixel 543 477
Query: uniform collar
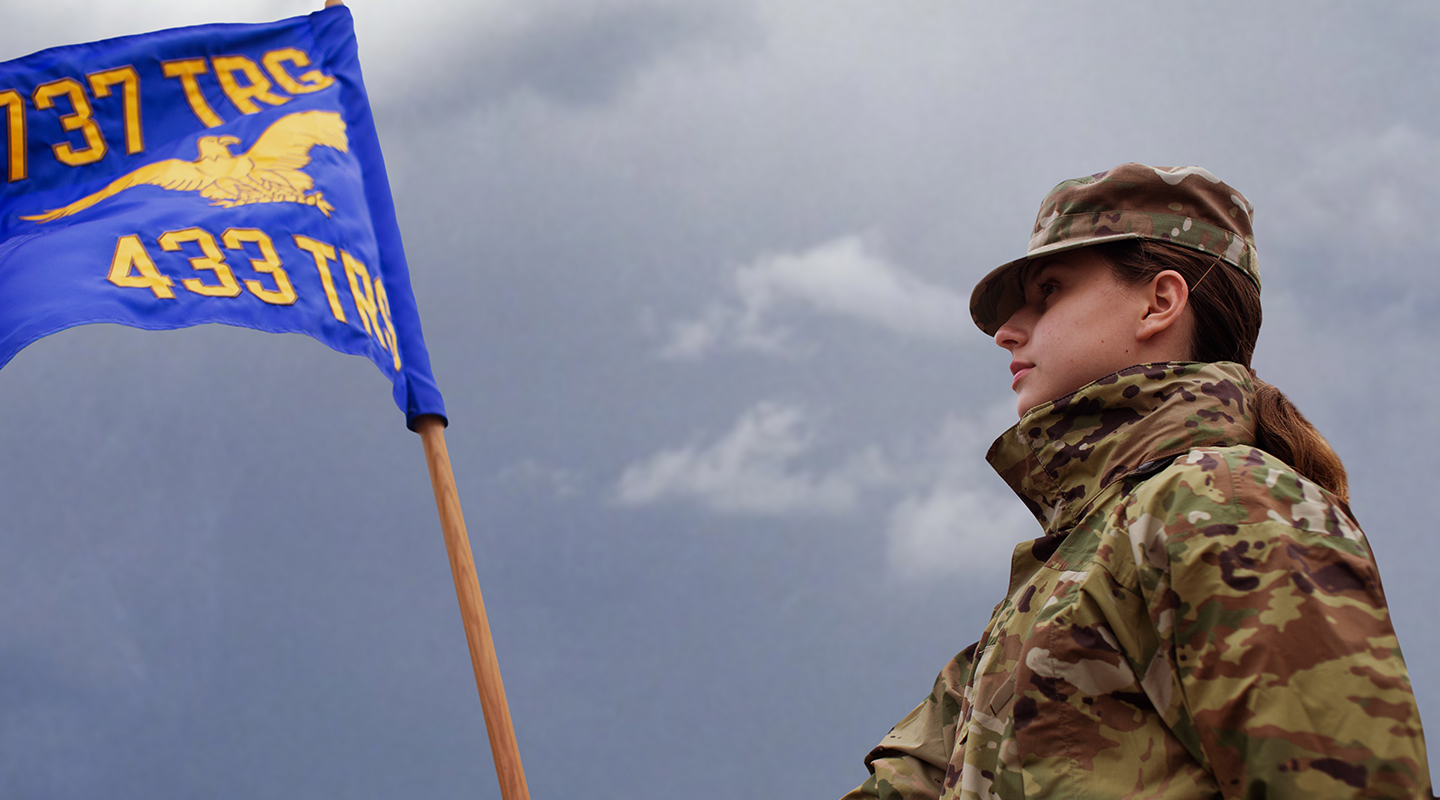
pixel 1063 454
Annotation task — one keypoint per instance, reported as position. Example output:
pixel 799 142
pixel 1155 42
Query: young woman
pixel 1202 617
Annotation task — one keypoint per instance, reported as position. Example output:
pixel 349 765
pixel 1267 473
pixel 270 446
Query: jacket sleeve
pixel 1285 676
pixel 910 762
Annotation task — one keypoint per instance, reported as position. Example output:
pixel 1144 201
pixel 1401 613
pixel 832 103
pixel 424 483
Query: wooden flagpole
pixel 498 727
pixel 472 611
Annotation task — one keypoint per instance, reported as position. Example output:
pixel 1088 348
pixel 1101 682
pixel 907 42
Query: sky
pixel 694 279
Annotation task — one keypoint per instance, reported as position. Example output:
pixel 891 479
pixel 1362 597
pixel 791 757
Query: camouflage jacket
pixel 1198 621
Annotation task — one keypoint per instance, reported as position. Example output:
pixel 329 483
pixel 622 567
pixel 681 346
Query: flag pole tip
pixel 420 421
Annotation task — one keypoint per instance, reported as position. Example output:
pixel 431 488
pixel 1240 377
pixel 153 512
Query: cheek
pixel 1063 339
pixel 1085 346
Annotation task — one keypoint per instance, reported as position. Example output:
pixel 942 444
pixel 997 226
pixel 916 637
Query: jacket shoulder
pixel 1215 492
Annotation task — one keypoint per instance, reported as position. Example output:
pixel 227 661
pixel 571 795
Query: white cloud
pixel 842 278
pixel 35 26
pixel 958 518
pixel 754 469
pixel 953 530
pixel 722 327
pixel 946 511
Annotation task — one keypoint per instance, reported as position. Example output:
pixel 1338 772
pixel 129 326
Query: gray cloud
pixel 574 54
pixel 223 575
pixel 1370 193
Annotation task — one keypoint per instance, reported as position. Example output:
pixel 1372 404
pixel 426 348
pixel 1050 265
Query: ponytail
pixel 1226 309
pixel 1282 431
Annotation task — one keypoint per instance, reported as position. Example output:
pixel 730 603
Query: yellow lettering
pixel 284 292
pixel 323 254
pixel 383 300
pixel 314 80
pixel 81 119
pixel 14 105
pixel 186 69
pixel 100 83
pixel 212 260
pixel 244 97
pixel 130 255
pixel 363 294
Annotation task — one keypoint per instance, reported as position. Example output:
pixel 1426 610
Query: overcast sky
pixel 694 279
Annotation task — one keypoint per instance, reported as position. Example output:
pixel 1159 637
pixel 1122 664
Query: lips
pixel 1018 370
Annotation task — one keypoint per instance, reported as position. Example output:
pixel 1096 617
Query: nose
pixel 1012 334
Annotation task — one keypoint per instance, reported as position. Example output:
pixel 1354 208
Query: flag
pixel 218 173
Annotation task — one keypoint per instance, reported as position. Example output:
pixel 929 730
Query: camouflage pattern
pixel 1185 206
pixel 1198 621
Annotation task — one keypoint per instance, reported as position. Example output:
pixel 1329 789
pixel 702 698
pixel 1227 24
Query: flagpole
pixel 508 768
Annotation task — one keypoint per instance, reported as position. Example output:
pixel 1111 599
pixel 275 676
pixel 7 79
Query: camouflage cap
pixel 1185 206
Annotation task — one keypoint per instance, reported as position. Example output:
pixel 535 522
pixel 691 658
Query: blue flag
pixel 219 173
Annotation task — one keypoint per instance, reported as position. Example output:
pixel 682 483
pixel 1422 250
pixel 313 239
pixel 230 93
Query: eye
pixel 1047 288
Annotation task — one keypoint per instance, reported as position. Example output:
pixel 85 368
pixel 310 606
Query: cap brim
pixel 1000 293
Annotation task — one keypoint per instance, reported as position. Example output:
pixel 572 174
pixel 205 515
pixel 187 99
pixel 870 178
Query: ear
pixel 1167 296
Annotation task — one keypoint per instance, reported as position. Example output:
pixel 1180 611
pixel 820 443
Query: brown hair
pixel 1226 308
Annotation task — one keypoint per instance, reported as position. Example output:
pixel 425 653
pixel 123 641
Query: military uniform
pixel 1198 621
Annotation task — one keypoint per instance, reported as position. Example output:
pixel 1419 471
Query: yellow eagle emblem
pixel 268 172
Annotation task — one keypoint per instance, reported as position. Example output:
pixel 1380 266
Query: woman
pixel 1202 616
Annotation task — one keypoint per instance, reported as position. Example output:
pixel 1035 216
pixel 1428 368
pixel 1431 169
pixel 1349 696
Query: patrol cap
pixel 1185 206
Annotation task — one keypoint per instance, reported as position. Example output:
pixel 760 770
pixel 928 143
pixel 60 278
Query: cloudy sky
pixel 693 275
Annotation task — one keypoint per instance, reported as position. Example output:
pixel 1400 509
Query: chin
pixel 1024 406
pixel 1028 401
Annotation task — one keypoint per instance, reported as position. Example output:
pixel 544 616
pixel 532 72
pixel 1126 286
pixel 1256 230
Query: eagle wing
pixel 284 148
pixel 172 174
